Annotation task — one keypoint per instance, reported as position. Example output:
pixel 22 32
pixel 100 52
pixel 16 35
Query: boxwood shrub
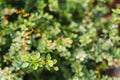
pixel 58 39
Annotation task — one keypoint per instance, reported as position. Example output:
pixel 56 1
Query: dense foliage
pixel 58 39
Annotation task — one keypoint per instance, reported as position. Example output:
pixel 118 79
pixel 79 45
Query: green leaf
pixel 41 45
pixel 48 68
pixel 24 65
pixel 35 66
pixel 37 55
pixel 54 61
pixel 48 57
pixel 41 62
pixel 50 63
pixel 25 58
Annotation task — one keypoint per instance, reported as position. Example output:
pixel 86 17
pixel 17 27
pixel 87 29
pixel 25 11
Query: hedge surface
pixel 58 39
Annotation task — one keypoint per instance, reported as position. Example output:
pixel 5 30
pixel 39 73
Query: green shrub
pixel 58 39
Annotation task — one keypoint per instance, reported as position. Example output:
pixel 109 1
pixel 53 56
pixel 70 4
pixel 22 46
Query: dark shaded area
pixel 112 72
pixel 12 17
pixel 19 4
pixel 6 46
pixel 112 6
